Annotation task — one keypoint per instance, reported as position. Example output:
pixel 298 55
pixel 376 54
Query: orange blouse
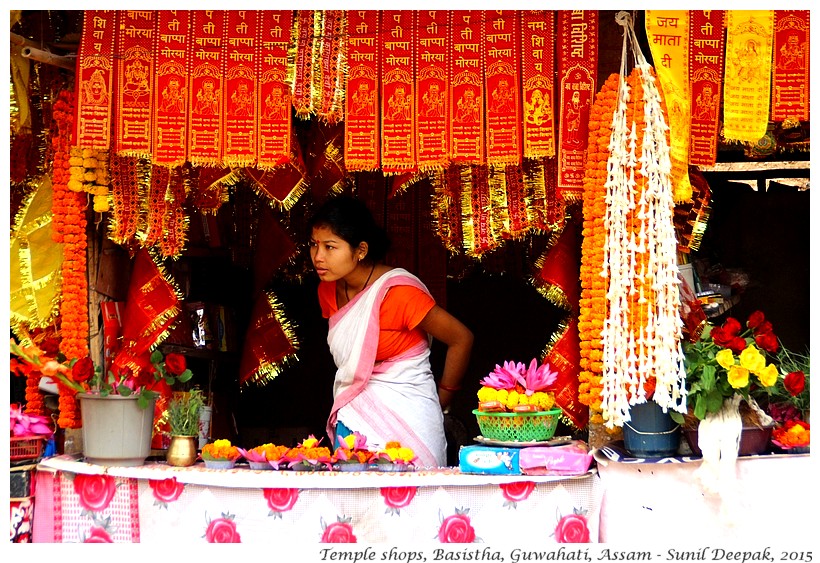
pixel 403 308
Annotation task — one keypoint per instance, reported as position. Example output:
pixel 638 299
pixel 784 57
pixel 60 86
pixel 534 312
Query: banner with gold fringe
pixel 361 144
pixel 174 220
pixel 207 82
pixel 126 177
pixel 502 55
pixel 747 83
pixel 95 79
pixel 706 50
pixel 556 278
pixel 537 71
pixel 480 232
pixel 172 64
pixel 240 100
pixel 303 63
pixel 432 84
pixel 447 207
pixel 668 36
pixel 790 81
pixel 135 82
pixel 398 132
pixel 152 207
pixel 284 184
pixel 270 342
pixel 577 70
pixel 274 103
pixel 466 95
pixel 329 65
pixel 152 304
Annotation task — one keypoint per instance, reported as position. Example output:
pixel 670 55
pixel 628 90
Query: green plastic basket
pixel 518 427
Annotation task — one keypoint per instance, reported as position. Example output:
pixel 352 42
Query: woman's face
pixel 332 257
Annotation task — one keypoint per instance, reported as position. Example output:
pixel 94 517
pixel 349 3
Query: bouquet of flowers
pixel 220 450
pixel 354 452
pixel 395 455
pixel 265 454
pixel 790 397
pixel 515 387
pixel 146 377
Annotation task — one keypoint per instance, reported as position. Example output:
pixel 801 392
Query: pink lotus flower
pixel 254 456
pixel 504 377
pixel 23 424
pixel 538 377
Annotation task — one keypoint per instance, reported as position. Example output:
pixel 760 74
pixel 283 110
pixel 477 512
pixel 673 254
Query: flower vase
pixel 754 440
pixel 116 431
pixel 650 432
pixel 181 451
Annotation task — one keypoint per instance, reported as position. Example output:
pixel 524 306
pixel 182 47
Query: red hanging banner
pixel 361 147
pixel 274 103
pixel 577 68
pixel 466 99
pixel 397 91
pixel 303 72
pixel 206 118
pixel 706 48
pixel 502 53
pixel 95 77
pixel 790 79
pixel 432 49
pixel 172 64
pixel 240 88
pixel 328 77
pixel 479 230
pixel 537 70
pixel 135 82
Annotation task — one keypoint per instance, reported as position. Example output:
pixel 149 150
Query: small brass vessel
pixel 181 451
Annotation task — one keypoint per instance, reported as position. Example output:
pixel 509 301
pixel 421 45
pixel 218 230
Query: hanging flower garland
pixel 642 331
pixel 593 303
pixel 88 173
pixel 70 216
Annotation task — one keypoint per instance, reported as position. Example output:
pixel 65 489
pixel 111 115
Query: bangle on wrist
pixel 452 389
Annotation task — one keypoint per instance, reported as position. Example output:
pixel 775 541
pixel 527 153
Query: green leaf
pixel 123 390
pixel 156 357
pixel 677 417
pixel 700 407
pixel 185 376
pixel 708 378
pixel 714 400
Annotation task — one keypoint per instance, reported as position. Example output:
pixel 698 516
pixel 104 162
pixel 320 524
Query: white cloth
pixel 394 400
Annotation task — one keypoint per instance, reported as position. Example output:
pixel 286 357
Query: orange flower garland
pixel 70 216
pixel 593 302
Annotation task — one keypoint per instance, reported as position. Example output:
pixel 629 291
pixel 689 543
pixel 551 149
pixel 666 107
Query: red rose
pixel 95 491
pixel 50 346
pixel 720 338
pixel 98 535
pixel 737 345
pixel 175 363
pixel 281 500
pixel 82 370
pixel 166 490
pixel 398 497
pixel 795 382
pixel 222 530
pixel 731 327
pixel 572 528
pixel 767 342
pixel 764 328
pixel 520 490
pixel 456 529
pixel 755 320
pixel 338 532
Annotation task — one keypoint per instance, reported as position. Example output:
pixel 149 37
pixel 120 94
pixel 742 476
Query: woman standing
pixel 381 322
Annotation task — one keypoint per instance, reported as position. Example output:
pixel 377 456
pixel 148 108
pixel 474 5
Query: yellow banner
pixel 748 74
pixel 668 35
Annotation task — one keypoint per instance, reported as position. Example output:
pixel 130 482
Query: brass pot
pixel 181 451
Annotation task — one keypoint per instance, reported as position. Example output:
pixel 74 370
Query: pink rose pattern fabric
pixel 457 528
pixel 165 490
pixel 397 497
pixel 572 528
pixel 95 492
pixel 338 532
pixel 222 530
pixel 516 492
pixel 98 535
pixel 280 500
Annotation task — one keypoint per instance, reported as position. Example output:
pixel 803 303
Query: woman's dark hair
pixel 350 219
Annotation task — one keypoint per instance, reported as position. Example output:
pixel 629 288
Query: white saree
pixel 394 400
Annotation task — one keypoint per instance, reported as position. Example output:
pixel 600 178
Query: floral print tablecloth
pixel 78 502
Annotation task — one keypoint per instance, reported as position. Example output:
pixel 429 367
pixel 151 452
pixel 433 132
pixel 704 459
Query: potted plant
pixel 723 366
pixel 183 420
pixel 117 406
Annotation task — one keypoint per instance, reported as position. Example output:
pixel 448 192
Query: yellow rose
pixel 725 358
pixel 738 377
pixel 768 375
pixel 752 359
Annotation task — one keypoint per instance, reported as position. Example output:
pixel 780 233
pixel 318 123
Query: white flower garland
pixel 627 362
